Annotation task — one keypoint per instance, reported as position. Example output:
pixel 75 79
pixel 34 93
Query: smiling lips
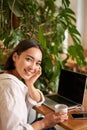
pixel 29 71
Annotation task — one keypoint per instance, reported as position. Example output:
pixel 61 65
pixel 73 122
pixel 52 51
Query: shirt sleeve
pixel 33 102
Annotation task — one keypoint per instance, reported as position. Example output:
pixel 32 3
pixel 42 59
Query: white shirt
pixel 15 103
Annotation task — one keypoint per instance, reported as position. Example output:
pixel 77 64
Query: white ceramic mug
pixel 61 108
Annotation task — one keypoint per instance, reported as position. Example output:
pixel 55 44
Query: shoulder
pixel 9 78
pixel 9 82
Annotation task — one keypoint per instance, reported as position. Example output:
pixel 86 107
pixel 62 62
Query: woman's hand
pixel 33 92
pixel 54 118
pixel 50 120
pixel 34 77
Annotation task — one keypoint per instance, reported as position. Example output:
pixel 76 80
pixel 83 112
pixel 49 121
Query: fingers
pixel 39 71
pixel 36 75
pixel 53 118
pixel 61 117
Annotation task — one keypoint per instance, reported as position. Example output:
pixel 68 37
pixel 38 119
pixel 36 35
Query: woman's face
pixel 28 62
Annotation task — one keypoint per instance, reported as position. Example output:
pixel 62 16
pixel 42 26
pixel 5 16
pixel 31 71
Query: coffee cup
pixel 61 108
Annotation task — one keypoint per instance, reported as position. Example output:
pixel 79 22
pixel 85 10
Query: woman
pixel 17 92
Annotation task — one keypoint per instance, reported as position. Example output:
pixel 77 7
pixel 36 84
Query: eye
pixel 29 59
pixel 38 64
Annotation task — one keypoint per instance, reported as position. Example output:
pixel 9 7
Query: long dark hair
pixel 21 47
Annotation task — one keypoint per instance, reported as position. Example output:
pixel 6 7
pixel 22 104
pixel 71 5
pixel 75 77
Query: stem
pixel 12 13
pixel 1 23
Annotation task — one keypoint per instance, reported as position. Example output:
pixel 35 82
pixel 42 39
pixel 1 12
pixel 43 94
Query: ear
pixel 15 56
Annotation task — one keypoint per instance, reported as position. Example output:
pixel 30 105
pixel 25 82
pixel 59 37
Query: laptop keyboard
pixel 62 100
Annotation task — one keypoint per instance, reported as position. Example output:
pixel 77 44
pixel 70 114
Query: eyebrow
pixel 33 58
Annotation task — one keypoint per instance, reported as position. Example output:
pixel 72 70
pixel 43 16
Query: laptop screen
pixel 72 85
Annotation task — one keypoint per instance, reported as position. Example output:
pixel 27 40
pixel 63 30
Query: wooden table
pixel 70 124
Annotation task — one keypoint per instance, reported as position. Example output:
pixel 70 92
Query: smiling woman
pixel 17 97
pixel 29 61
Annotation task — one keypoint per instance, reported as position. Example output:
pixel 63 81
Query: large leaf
pixel 16 7
pixel 76 53
pixel 14 37
pixel 66 3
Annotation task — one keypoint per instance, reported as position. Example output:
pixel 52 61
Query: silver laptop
pixel 71 89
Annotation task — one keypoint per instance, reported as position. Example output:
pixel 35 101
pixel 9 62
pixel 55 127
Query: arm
pixel 34 102
pixel 33 92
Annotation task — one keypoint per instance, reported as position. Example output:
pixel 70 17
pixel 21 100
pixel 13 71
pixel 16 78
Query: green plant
pixel 44 21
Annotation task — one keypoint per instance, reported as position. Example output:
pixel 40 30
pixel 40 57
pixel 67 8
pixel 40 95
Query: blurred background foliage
pixel 45 21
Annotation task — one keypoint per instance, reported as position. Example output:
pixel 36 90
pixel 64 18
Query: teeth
pixel 28 72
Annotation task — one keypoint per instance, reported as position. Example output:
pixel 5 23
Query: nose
pixel 32 66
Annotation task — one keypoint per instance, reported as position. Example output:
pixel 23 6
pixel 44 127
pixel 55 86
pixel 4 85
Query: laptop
pixel 71 89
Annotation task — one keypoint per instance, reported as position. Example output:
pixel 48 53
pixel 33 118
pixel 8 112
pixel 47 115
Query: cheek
pixel 19 64
pixel 20 67
pixel 23 64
